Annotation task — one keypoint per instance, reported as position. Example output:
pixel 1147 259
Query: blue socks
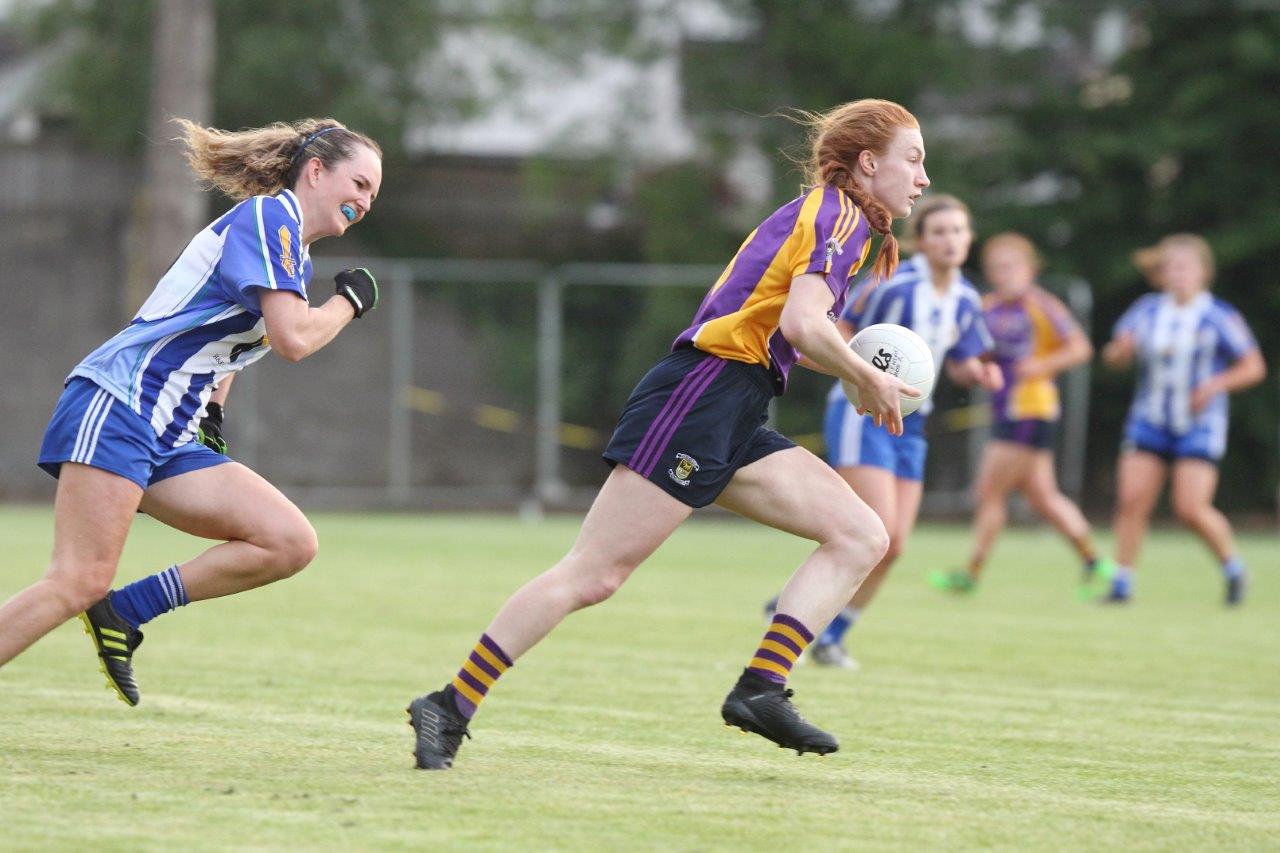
pixel 1233 567
pixel 141 601
pixel 1122 583
pixel 834 634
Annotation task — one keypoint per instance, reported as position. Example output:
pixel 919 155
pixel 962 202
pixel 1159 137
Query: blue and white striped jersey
pixel 204 319
pixel 1178 347
pixel 950 322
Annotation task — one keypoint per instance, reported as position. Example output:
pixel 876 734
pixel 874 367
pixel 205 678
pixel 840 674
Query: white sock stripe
pixel 168 591
pixel 85 423
pixel 180 591
pixel 97 430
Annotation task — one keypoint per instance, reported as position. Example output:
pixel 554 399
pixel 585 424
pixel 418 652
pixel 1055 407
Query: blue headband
pixel 310 139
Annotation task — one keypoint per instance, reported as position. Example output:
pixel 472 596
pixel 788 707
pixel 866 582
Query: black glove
pixel 210 432
pixel 359 288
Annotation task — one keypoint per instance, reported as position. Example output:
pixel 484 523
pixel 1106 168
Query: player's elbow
pixel 290 347
pixel 798 328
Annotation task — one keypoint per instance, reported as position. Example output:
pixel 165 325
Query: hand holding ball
pixel 899 352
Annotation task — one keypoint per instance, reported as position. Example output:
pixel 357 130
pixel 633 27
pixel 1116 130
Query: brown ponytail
pixel 265 160
pixel 837 137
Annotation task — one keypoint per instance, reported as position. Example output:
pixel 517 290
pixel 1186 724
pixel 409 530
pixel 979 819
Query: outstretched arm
pixel 1247 371
pixel 1073 351
pixel 975 371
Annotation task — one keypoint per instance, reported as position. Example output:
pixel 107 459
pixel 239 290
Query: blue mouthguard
pixel 349 212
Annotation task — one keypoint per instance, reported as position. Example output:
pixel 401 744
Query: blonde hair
pixel 836 138
pixel 265 160
pixel 1018 242
pixel 1149 258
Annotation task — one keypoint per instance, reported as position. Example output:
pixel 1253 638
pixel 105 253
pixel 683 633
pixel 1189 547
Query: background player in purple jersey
pixel 1192 351
pixel 126 432
pixel 694 432
pixel 930 295
pixel 1036 338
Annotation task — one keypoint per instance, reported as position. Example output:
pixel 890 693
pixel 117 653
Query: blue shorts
pixel 693 421
pixel 1205 441
pixel 92 427
pixel 854 439
pixel 1030 432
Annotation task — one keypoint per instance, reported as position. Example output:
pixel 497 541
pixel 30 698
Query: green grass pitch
pixel 1018 718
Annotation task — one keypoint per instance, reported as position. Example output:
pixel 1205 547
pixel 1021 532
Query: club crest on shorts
pixel 686 465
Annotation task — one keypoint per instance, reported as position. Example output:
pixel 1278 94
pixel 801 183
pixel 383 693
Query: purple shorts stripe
pixel 673 402
pixel 488 643
pixel 677 417
pixel 483 664
pixel 784 619
pixel 775 657
pixel 476 685
pixel 784 640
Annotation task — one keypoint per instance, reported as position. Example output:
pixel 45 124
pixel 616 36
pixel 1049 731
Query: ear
pixel 313 170
pixel 867 161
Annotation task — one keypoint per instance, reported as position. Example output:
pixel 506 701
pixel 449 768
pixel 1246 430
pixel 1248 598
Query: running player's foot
pixel 1235 590
pixel 756 704
pixel 115 641
pixel 954 581
pixel 1116 596
pixel 1096 578
pixel 438 727
pixel 833 655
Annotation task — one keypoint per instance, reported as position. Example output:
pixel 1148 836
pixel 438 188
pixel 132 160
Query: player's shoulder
pixel 269 211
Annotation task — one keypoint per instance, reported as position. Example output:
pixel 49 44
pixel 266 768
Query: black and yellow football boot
pixel 115 641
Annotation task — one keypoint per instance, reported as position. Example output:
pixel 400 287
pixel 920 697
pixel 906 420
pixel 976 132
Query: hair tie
pixel 312 137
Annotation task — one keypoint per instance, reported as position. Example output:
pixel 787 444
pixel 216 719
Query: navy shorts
pixel 92 427
pixel 693 421
pixel 1030 432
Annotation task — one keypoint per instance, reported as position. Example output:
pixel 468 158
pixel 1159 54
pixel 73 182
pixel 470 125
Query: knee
pixel 587 580
pixel 863 539
pixel 82 586
pixel 292 549
pixel 1187 511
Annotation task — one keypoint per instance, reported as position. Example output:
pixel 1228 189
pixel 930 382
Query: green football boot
pixel 958 582
pixel 1095 580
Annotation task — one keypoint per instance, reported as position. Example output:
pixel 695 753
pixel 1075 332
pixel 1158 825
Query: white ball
pixel 898 351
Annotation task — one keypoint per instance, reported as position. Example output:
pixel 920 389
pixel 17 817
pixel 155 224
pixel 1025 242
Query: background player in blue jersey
pixel 693 432
pixel 930 295
pixel 1192 351
pixel 125 433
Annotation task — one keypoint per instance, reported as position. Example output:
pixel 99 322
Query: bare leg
pixel 627 522
pixel 267 537
pixel 1194 482
pixel 92 514
pixel 1141 477
pixel 1041 489
pixel 906 502
pixel 1005 467
pixel 797 492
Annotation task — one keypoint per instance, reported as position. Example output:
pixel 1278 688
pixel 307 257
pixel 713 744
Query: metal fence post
pixel 399 424
pixel 1075 412
pixel 548 485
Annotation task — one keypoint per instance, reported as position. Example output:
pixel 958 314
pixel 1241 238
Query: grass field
pixel 1015 718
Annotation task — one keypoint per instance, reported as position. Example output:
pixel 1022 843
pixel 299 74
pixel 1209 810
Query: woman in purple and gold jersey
pixel 1036 338
pixel 693 432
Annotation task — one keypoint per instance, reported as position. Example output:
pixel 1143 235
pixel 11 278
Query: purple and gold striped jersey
pixel 820 232
pixel 1035 324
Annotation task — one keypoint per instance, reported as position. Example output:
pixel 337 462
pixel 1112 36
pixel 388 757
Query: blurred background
pixel 565 178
